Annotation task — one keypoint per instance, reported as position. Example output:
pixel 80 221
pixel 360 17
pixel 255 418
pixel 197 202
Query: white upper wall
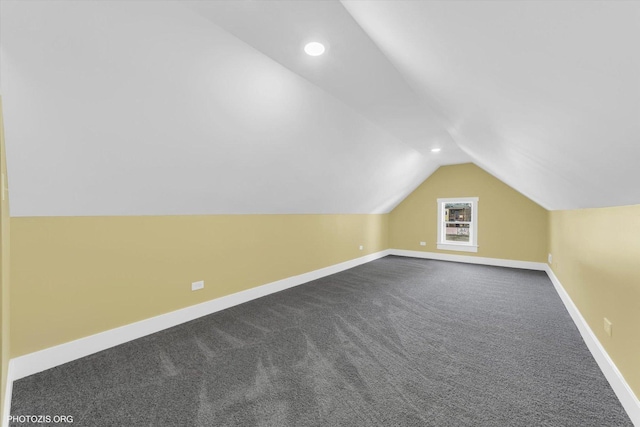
pixel 141 108
pixel 134 108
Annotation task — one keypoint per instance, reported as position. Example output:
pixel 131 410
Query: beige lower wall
pixel 77 276
pixel 596 257
pixel 510 226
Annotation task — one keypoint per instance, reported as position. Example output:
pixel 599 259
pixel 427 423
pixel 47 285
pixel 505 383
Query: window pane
pixel 457 232
pixel 457 212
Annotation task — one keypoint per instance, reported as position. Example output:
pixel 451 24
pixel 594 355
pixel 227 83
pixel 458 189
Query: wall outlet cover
pixel 197 285
pixel 608 326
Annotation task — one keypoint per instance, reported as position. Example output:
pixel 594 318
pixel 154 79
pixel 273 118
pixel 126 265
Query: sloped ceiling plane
pixel 210 107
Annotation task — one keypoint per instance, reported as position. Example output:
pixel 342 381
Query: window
pixel 458 224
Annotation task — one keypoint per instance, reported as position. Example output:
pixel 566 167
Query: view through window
pixel 458 221
pixel 458 224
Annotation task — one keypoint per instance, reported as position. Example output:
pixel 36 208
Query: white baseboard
pixel 39 361
pixel 626 396
pixel 6 407
pixel 528 265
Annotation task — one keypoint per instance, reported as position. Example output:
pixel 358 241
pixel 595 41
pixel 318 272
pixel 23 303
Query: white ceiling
pixel 205 107
pixel 544 95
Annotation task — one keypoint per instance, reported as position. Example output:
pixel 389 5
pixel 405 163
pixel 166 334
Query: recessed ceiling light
pixel 435 150
pixel 314 49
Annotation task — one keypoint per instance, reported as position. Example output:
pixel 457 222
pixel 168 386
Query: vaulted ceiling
pixel 206 107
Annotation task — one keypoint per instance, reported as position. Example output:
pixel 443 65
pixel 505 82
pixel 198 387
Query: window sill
pixel 460 248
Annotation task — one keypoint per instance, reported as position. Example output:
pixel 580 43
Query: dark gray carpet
pixel 396 342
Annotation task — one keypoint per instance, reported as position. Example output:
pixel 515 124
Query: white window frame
pixel 472 244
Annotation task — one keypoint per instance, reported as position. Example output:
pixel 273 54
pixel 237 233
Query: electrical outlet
pixel 197 285
pixel 423 243
pixel 550 259
pixel 608 326
pixel 361 247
